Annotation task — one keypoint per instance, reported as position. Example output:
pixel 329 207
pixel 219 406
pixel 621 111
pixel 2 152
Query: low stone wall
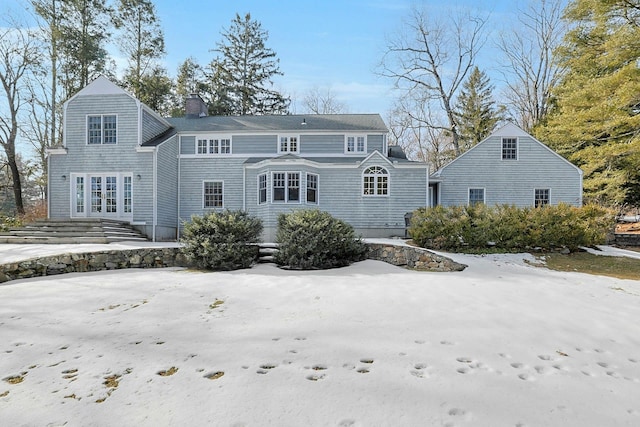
pixel 412 257
pixel 626 239
pixel 405 256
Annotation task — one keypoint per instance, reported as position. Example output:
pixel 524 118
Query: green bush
pixel 222 240
pixel 7 222
pixel 505 227
pixel 312 239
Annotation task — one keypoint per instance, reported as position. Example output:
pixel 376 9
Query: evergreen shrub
pixel 506 227
pixel 312 239
pixel 222 240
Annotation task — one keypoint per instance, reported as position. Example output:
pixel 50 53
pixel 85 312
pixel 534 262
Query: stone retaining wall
pixel 406 256
pixel 628 239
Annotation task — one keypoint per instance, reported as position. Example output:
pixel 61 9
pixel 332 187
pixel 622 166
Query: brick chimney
pixel 195 107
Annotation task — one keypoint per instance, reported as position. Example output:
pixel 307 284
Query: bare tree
pixel 532 70
pixel 323 101
pixel 18 54
pixel 408 127
pixel 433 57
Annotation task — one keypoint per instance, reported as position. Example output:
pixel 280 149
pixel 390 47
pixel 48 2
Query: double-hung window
pixel 509 148
pixel 212 194
pixel 288 144
pixel 102 129
pixel 262 188
pixel 312 188
pixel 375 181
pixel 286 187
pixel 541 197
pixel 355 144
pixel 214 146
pixel 476 195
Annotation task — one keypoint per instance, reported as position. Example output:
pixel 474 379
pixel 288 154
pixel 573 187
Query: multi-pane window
pixel 128 194
pixel 476 195
pixel 509 148
pixel 286 186
pixel 102 129
pixel 355 144
pixel 80 194
pixel 312 188
pixel 288 144
pixel 212 194
pixel 262 188
pixel 375 181
pixel 541 197
pixel 214 146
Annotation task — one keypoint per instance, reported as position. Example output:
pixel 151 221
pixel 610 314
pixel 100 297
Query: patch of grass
pixel 584 262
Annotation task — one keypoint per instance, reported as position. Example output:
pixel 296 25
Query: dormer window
pixel 355 144
pixel 509 148
pixel 288 144
pixel 102 129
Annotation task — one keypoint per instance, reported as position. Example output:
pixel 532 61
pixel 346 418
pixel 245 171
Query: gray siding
pixel 375 142
pixel 321 144
pixel 510 181
pixel 254 144
pixel 187 145
pixel 151 126
pixel 167 187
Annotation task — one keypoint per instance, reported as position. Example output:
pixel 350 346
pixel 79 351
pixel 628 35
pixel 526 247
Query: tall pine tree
pixel 596 120
pixel 245 70
pixel 476 112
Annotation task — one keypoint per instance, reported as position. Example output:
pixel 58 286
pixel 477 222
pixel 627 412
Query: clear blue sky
pixel 329 44
pixel 332 44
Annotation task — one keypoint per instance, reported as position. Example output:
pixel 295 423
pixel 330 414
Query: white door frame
pixel 114 192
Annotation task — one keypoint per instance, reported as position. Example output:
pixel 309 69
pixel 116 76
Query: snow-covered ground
pixel 502 343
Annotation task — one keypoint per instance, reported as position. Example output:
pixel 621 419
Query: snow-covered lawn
pixel 502 343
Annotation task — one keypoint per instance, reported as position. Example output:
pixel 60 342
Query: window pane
pixel 127 194
pixel 213 146
pixel 262 189
pixel 293 187
pixel 225 146
pixel 80 194
pixel 350 144
pixel 293 144
pixel 284 144
pixel 202 146
pixel 360 147
pixel 382 186
pixel 213 194
pixel 278 187
pixel 312 188
pixel 94 125
pixel 541 197
pixel 369 182
pixel 110 132
pixel 476 195
pixel 509 148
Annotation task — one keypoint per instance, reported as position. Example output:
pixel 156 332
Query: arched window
pixel 375 181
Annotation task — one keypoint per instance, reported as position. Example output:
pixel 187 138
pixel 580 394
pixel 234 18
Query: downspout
pixel 178 192
pixel 155 193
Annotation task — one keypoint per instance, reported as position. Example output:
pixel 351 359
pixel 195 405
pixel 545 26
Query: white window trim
pixel 306 177
pixel 375 186
pixel 288 150
pixel 102 116
pixel 286 188
pixel 517 148
pixel 203 194
pixel 484 194
pixel 266 200
pixel 534 195
pixel 208 139
pixel 355 144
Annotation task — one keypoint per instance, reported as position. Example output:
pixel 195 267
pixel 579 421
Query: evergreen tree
pixel 83 37
pixel 190 79
pixel 476 112
pixel 596 120
pixel 155 90
pixel 141 40
pixel 246 68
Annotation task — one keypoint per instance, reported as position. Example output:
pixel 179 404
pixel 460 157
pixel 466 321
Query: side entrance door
pixel 105 195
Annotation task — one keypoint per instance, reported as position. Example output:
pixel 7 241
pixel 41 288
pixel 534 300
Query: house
pixel 508 167
pixel 121 160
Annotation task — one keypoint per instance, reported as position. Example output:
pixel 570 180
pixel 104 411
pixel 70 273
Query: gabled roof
pixel 101 86
pixel 507 130
pixel 282 123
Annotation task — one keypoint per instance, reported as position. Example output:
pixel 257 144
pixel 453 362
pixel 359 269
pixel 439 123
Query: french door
pixel 105 195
